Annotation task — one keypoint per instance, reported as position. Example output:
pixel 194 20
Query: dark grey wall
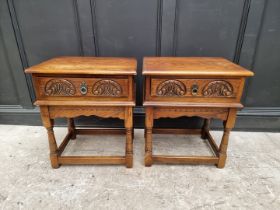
pixel 244 31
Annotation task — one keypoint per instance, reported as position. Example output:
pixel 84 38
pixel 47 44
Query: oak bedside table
pixel 203 87
pixel 68 87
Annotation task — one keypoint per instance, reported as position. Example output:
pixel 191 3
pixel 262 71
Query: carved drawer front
pixel 195 88
pixel 82 87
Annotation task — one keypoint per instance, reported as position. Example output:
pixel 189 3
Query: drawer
pixel 182 89
pixel 81 87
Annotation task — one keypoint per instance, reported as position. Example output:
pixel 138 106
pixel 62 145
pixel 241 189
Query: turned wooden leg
pixel 228 125
pixel 148 136
pixel 223 148
pixel 71 127
pixel 129 137
pixel 48 123
pixel 132 134
pixel 145 134
pixel 129 149
pixel 53 148
pixel 205 128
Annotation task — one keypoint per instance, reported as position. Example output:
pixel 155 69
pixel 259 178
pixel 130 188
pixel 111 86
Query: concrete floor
pixel 250 180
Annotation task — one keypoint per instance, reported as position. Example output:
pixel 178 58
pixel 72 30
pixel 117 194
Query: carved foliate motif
pixel 107 88
pixel 218 89
pixel 171 88
pixel 59 87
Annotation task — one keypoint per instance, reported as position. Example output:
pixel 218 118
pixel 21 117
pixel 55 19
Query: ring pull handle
pixel 83 88
pixel 194 89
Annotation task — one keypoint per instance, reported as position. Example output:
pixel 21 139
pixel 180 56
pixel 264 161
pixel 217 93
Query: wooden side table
pixel 68 87
pixel 203 87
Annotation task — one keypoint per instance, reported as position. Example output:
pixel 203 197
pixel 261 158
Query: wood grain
pixel 206 112
pixel 165 159
pixel 77 83
pixel 206 90
pixel 193 66
pixel 86 65
pixel 210 88
pixel 69 87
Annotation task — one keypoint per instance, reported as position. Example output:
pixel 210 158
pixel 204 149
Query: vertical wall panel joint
pixel 159 27
pixel 242 30
pixel 78 27
pixel 94 26
pixel 175 33
pixel 20 45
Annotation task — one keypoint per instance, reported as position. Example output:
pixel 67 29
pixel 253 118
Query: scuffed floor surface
pixel 250 180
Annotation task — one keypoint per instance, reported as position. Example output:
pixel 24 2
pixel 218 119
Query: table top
pixel 193 66
pixel 86 65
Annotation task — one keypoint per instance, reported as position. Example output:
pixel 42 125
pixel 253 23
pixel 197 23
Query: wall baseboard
pixel 249 119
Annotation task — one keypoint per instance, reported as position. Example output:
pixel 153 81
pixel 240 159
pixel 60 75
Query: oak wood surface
pixel 166 159
pixel 173 103
pixel 175 131
pixel 84 103
pixel 200 83
pixel 101 131
pixel 177 91
pixel 97 160
pixel 86 65
pixel 77 83
pixel 68 87
pixel 193 66
pixel 204 112
pixel 75 111
pixel 203 87
pixel 71 128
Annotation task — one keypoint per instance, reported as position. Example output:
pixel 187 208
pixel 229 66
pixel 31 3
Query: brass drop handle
pixel 83 88
pixel 194 89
